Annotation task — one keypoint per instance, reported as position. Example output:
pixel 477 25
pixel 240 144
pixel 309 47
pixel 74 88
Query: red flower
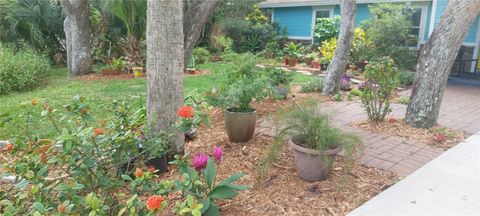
pixel 440 138
pixel 185 112
pixel 62 208
pixel 154 202
pixel 151 169
pixel 9 147
pixel 392 120
pixel 99 131
pixel 138 173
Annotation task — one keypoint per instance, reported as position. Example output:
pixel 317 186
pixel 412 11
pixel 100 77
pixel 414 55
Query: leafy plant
pixel 202 184
pixel 361 46
pixel 193 114
pixel 327 50
pixel 20 70
pixel 406 78
pixel 403 100
pixel 356 92
pixel 201 55
pixel 325 29
pixel 337 97
pixel 279 77
pixel 271 49
pixel 119 64
pixel 293 50
pixel 381 80
pixel 315 85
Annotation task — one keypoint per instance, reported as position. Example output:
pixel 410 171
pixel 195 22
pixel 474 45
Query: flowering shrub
pixel 201 183
pixel 345 82
pixel 193 114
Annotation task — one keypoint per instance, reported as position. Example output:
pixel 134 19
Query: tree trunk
pixel 77 32
pixel 164 65
pixel 342 51
pixel 195 19
pixel 436 60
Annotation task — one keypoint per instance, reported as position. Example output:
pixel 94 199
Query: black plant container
pixel 160 164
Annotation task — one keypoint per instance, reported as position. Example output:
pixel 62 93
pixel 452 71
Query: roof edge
pixel 266 4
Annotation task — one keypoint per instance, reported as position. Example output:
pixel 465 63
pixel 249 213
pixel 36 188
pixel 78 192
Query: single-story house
pixel 299 16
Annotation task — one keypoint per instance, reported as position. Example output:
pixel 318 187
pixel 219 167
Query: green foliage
pixel 325 29
pixel 272 49
pixel 403 100
pixel 327 50
pixel 257 16
pixel 200 55
pixel 279 77
pixel 200 114
pixel 406 78
pixel 315 85
pixel 361 46
pixel 356 92
pixel 381 80
pixel 20 70
pixel 389 31
pixel 118 64
pixel 293 50
pixel 204 186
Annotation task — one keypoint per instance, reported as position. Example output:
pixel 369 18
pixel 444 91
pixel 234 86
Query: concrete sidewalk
pixel 448 185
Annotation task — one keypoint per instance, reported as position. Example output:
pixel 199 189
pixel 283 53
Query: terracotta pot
pixel 240 126
pixel 311 164
pixel 308 61
pixel 285 60
pixel 315 64
pixel 292 62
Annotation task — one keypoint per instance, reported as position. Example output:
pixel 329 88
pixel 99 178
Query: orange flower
pixel 138 173
pixel 9 147
pixel 154 202
pixel 34 102
pixel 62 208
pixel 84 111
pixel 99 131
pixel 185 112
pixel 151 169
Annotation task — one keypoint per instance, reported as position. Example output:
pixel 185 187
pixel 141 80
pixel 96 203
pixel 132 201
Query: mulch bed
pixel 437 136
pixel 97 76
pixel 280 191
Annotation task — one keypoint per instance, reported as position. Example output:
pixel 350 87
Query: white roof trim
pixel 327 2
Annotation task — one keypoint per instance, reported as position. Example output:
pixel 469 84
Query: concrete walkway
pixel 448 185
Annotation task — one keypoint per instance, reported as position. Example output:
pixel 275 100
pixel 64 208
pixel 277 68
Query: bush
pixel 361 46
pixel 200 55
pixel 315 85
pixel 20 70
pixel 327 50
pixel 325 29
pixel 279 77
pixel 381 80
pixel 406 78
pixel 389 31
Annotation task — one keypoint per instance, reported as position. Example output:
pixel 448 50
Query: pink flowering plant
pixel 199 179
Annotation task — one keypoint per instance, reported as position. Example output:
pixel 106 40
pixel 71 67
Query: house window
pixel 418 25
pixel 322 14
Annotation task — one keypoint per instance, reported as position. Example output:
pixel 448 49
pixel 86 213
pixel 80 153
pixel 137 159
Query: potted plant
pixel 280 81
pixel 314 140
pixel 191 116
pixel 308 58
pixel 324 62
pixel 137 71
pixel 154 149
pixel 293 52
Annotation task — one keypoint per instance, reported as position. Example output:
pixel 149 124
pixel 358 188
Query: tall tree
pixel 436 60
pixel 77 33
pixel 196 16
pixel 342 51
pixel 165 65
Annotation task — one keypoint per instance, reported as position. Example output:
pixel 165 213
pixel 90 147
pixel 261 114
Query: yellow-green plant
pixel 328 49
pixel 360 46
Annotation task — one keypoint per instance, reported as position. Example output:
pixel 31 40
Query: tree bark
pixel 435 62
pixel 165 65
pixel 336 68
pixel 77 32
pixel 196 17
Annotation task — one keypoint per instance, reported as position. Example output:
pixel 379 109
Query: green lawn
pixel 58 89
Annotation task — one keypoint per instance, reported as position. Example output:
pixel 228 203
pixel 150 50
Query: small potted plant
pixel 308 58
pixel 155 148
pixel 293 52
pixel 314 140
pixel 280 81
pixel 137 71
pixel 324 62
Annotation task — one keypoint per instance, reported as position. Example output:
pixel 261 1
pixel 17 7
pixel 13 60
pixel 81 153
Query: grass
pixel 58 89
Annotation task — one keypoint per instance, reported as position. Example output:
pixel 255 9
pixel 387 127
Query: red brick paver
pixel 460 110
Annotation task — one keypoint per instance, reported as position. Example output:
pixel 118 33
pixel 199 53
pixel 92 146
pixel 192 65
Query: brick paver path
pixel 460 110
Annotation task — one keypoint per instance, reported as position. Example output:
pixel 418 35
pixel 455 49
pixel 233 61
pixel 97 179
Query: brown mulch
pixel 437 136
pixel 281 191
pixel 196 72
pixel 97 76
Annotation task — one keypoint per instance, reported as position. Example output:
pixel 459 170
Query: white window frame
pixel 423 22
pixel 331 11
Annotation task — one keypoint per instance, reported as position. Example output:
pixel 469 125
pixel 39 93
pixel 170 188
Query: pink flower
pixel 200 161
pixel 217 153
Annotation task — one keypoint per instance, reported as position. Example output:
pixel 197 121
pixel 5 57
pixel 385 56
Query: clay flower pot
pixel 311 164
pixel 315 64
pixel 292 62
pixel 240 126
pixel 285 60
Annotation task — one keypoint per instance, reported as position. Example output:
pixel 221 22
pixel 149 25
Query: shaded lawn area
pixel 58 89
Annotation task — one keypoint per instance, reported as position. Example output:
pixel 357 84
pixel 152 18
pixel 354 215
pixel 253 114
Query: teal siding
pixel 427 23
pixel 441 6
pixel 363 13
pixel 298 20
pixel 336 10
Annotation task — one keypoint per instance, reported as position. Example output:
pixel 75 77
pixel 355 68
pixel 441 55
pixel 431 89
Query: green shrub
pixel 389 30
pixel 279 77
pixel 406 78
pixel 200 55
pixel 20 70
pixel 315 85
pixel 355 92
pixel 403 100
pixel 381 80
pixel 325 29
